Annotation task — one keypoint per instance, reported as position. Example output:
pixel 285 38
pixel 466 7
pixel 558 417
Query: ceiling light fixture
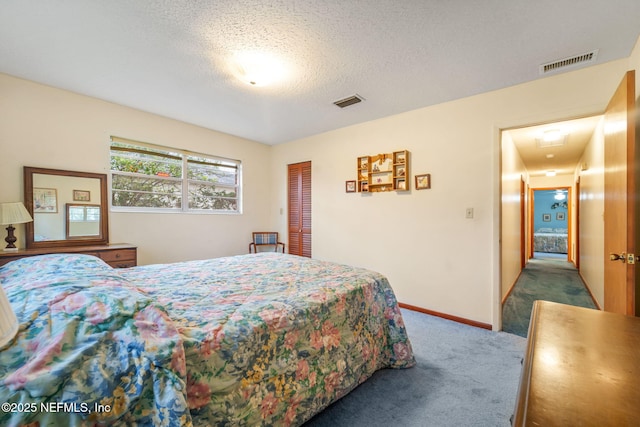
pixel 552 135
pixel 258 69
pixel 551 138
pixel 551 173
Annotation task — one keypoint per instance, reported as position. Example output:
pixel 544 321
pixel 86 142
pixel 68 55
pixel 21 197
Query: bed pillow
pixel 544 230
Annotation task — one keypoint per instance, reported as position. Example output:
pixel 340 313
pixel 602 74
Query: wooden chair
pixel 265 241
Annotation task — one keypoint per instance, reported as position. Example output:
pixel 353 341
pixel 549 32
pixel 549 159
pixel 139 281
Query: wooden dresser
pixel 119 255
pixel 581 368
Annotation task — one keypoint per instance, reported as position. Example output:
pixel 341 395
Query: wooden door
pixel 619 199
pixel 300 209
pixel 523 240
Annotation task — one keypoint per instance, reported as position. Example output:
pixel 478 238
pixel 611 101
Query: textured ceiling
pixel 173 57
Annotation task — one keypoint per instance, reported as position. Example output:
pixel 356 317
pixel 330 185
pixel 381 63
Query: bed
pixel 550 240
pixel 261 339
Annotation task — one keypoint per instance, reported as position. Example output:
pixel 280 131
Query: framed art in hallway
pixel 560 216
pixel 546 217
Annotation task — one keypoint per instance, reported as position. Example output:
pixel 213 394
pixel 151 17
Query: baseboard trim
pixel 513 285
pixel 446 316
pixel 584 282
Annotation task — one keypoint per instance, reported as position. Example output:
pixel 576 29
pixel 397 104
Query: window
pixel 152 178
pixel 88 213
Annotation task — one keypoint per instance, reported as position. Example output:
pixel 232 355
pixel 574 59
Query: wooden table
pixel 581 368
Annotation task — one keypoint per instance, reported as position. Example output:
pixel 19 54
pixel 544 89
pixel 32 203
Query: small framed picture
pixel 423 182
pixel 560 216
pixel 45 200
pixel 81 196
pixel 546 217
pixel 350 186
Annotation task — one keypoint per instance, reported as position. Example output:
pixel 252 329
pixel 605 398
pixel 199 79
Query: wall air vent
pixel 582 59
pixel 349 101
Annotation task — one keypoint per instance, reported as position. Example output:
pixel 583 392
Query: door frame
pixel 532 205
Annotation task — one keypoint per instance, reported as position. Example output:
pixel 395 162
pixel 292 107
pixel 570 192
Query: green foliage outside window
pixel 157 179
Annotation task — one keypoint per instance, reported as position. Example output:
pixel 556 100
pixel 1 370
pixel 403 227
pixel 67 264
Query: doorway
pixel 540 167
pixel 299 208
pixel 551 223
pixel 604 177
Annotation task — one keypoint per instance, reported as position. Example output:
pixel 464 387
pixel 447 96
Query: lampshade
pixel 8 320
pixel 14 213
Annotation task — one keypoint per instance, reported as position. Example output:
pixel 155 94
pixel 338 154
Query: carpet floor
pixel 546 277
pixel 465 376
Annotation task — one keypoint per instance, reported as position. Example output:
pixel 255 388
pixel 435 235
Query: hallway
pixel 546 277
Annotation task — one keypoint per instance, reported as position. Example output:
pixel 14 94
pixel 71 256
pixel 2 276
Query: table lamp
pixel 13 213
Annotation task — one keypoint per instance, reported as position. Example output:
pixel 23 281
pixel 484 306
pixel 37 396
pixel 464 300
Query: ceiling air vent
pixel 349 101
pixel 582 59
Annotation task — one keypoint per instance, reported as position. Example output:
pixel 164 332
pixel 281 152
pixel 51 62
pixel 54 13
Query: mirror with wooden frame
pixel 57 199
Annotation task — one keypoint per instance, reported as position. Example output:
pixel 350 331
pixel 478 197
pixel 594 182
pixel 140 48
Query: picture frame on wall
pixel 546 217
pixel 350 186
pixel 560 216
pixel 81 196
pixel 423 181
pixel 45 200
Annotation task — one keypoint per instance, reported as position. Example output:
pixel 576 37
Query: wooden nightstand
pixel 121 255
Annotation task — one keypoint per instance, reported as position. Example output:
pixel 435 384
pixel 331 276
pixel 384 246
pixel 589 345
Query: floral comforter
pixel 262 339
pixel 92 349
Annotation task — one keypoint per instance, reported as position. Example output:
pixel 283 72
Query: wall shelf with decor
pixel 364 163
pixel 383 172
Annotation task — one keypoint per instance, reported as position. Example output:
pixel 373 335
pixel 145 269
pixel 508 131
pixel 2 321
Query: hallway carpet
pixel 544 278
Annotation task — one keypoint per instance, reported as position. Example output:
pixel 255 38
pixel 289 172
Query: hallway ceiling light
pixel 559 196
pixel 552 138
pixel 551 173
pixel 552 135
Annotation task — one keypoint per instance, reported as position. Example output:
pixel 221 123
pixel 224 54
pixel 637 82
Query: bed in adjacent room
pixel 255 339
pixel 550 240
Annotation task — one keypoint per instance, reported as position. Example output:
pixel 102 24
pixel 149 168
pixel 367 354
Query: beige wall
pixel 592 214
pixel 634 64
pixel 433 256
pixel 513 172
pixel 51 128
